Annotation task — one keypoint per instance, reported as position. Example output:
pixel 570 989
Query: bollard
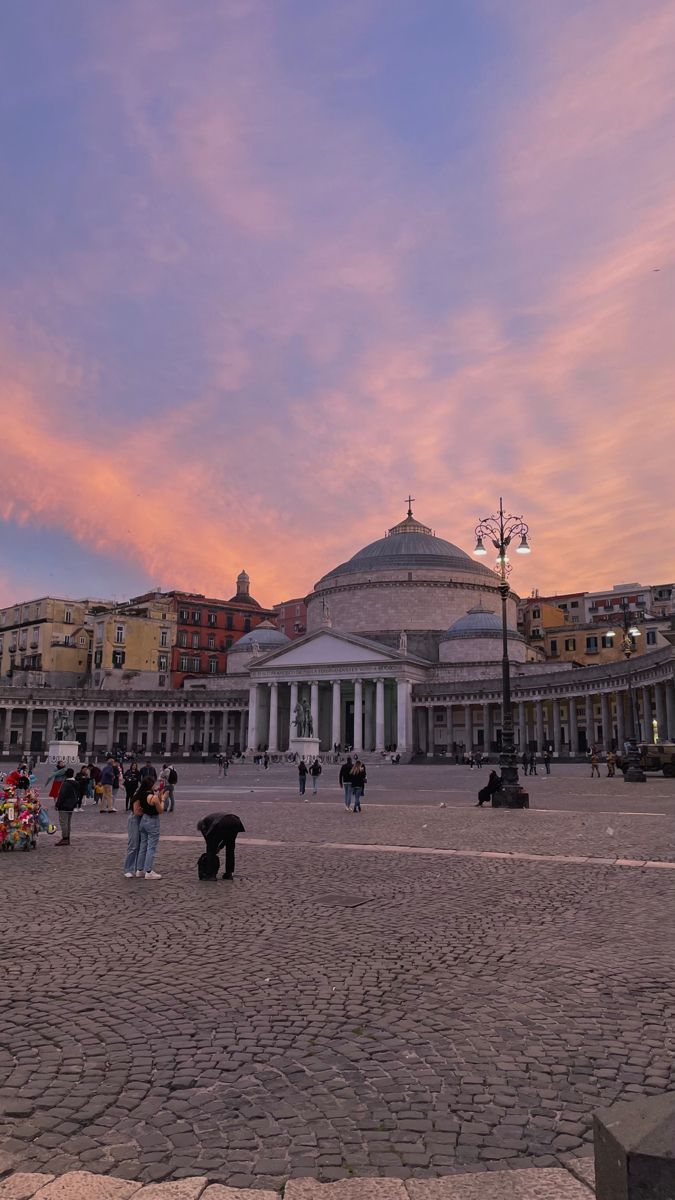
pixel 635 1149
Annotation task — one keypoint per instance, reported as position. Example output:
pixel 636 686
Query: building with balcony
pixel 47 642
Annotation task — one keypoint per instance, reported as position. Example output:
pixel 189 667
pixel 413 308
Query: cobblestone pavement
pixel 331 1014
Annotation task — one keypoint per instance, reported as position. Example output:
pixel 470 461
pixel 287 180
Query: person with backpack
pixel 315 771
pixel 345 781
pixel 168 780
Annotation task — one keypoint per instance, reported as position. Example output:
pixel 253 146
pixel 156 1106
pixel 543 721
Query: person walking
pixel 82 781
pixel 66 802
pixel 525 762
pixel 107 781
pixel 595 764
pixel 532 761
pixel 493 785
pixel 132 778
pixel 547 761
pixel 315 771
pixel 168 780
pixel 345 781
pixel 151 806
pixel 358 781
pixel 302 776
pixel 611 765
pixel 218 830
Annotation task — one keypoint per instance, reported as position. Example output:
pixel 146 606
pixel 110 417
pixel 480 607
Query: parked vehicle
pixel 659 757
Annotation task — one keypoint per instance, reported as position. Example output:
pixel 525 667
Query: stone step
pixel 535 1183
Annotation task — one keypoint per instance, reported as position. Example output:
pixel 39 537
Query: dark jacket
pixel 315 768
pixel 68 797
pixel 302 768
pixel 346 772
pixel 358 777
pixel 108 775
pixel 221 826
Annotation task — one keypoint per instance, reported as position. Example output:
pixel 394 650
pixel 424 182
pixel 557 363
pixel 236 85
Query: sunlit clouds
pixel 268 267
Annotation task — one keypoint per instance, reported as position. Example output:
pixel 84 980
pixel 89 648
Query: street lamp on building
pixel 634 772
pixel 501 530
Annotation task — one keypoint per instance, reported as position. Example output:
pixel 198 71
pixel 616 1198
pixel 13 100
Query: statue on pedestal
pixel 308 722
pixel 299 720
pixel 64 725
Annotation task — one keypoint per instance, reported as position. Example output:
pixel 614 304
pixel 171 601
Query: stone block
pixel 535 1183
pixel 84 1185
pixel 190 1188
pixel 218 1191
pixel 346 1189
pixel 23 1185
pixel 635 1149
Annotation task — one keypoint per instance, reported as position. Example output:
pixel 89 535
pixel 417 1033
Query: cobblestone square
pixel 359 1001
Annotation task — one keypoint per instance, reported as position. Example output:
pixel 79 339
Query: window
pixel 212 618
pixel 536 612
pixel 282 613
pixel 163 637
pixel 68 616
pixel 297 610
pixel 118 659
pixel 230 621
pixel 82 641
pixel 35 639
pixel 196 616
pixel 182 638
pixel 98 658
pixel 195 664
pixel 228 643
pixel 247 624
pixel 183 615
pixel 183 663
pixel 23 639
pixel 37 612
pixel 554 645
pixel 563 605
pixel 99 631
pixel 574 603
pixel 591 645
pixel 651 637
pixel 119 635
pixel 162 681
pixel 213 666
pixel 211 641
pixel 162 662
pixel 570 643
pixel 607 642
pixel 195 641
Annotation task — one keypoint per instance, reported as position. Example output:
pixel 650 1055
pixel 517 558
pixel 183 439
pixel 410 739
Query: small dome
pixel 266 635
pixel 479 622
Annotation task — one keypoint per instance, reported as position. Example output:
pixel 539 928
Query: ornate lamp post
pixel 634 773
pixel 501 530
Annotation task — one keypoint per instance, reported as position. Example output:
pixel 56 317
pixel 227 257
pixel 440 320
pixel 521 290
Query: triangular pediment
pixel 326 648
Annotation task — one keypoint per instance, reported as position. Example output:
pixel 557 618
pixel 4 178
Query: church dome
pixel 409 545
pixel 265 635
pixel 479 622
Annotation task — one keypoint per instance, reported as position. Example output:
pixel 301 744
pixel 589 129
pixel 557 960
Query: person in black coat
pixel 493 785
pixel 66 801
pixel 218 830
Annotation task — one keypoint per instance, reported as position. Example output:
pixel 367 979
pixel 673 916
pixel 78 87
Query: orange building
pixel 291 617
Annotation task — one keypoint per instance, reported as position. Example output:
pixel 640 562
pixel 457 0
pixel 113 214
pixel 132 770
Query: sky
pixel 269 265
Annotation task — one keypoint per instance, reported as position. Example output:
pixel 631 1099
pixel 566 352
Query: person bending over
pixel 219 830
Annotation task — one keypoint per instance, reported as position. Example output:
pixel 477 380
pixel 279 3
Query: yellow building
pixel 132 646
pixel 47 642
pixel 593 642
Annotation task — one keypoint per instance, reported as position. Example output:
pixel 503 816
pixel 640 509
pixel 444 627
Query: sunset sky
pixel 268 265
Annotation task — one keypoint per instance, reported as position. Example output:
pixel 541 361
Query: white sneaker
pixel 152 875
pixel 129 874
pixel 140 874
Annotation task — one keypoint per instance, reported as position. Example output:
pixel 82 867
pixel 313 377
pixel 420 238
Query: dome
pixel 407 546
pixel 479 622
pixel 265 635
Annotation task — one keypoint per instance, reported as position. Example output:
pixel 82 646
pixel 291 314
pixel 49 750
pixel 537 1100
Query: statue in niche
pixel 403 642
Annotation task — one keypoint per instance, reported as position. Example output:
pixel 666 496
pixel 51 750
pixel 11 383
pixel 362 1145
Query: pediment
pixel 326 649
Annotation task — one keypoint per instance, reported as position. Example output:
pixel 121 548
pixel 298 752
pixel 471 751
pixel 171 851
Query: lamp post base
pixel 511 795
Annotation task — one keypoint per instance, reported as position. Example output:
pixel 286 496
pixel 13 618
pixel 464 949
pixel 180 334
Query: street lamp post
pixel 634 773
pixel 501 530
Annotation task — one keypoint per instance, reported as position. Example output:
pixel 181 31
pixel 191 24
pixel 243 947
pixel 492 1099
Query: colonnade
pixel 568 725
pixel 368 714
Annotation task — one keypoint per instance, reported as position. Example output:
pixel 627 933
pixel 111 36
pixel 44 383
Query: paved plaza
pixel 410 993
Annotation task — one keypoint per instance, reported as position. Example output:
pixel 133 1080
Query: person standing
pixel 611 765
pixel 315 771
pixel 66 802
pixel 345 780
pixel 134 831
pixel 132 778
pixel 149 772
pixel 151 806
pixel 218 830
pixel 302 776
pixel 82 781
pixel 168 780
pixel 547 761
pixel 358 781
pixel 118 775
pixel 107 781
pixel 595 764
pixel 533 763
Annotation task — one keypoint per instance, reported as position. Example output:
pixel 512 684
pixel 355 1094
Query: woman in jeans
pixel 358 782
pixel 150 806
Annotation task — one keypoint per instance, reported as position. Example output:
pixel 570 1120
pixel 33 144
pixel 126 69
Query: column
pixel 590 729
pixel 368 715
pixel 151 732
pixel 28 730
pixel 50 725
pixel 468 728
pixel 487 727
pixel 274 718
pixel 379 714
pixel 606 727
pixel 111 729
pixel 620 720
pixel 661 715
pixel 252 747
pixel 557 731
pixel 430 730
pixel 670 709
pixel 358 715
pixel 292 729
pixel 572 725
pixel 540 725
pixel 314 707
pixel 169 730
pixel 336 730
pixel 403 714
pixel 522 726
pixel 648 730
